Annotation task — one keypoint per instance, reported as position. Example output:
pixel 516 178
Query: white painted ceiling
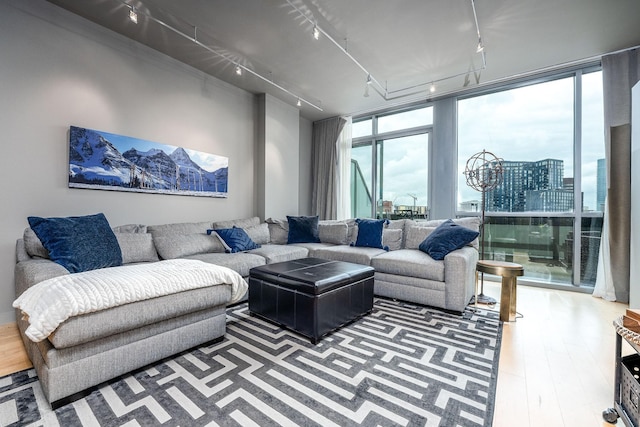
pixel 401 43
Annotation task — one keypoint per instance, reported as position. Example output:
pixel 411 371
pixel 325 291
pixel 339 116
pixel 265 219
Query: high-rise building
pixel 532 186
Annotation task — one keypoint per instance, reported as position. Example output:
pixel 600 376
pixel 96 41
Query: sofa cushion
pixel 414 235
pixel 358 255
pixel 137 247
pixel 33 245
pixel 335 232
pixel 370 233
pixel 130 228
pixel 117 320
pixel 280 253
pixel 78 243
pixel 259 233
pixel 471 222
pixel 392 238
pixel 447 237
pixel 240 262
pixel 352 234
pixel 278 231
pixel 303 229
pixel 398 224
pixel 236 239
pixel 313 247
pixel 179 228
pixel 240 223
pixel 409 262
pixel 171 246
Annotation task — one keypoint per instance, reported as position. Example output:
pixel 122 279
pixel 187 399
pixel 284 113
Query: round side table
pixel 509 271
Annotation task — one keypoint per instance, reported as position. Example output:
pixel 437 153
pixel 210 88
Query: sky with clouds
pixel 534 123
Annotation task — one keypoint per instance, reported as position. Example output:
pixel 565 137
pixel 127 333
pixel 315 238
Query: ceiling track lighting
pixel 316 32
pixel 432 88
pixel 375 84
pixel 299 103
pixel 238 70
pixel 242 68
pixel 133 16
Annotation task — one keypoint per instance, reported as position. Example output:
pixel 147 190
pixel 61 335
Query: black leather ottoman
pixel 311 296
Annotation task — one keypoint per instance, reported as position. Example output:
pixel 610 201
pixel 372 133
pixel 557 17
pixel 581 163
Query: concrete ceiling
pixel 404 45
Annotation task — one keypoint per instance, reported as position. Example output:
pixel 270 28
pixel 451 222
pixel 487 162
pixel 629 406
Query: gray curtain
pixel 324 163
pixel 620 71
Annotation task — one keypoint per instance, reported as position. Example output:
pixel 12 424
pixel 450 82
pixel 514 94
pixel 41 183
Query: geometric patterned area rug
pixel 403 364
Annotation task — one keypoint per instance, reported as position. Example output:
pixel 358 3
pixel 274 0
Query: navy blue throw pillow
pixel 80 243
pixel 447 237
pixel 236 239
pixel 370 233
pixel 303 229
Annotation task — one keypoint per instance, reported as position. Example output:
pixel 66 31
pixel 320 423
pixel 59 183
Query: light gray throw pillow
pixel 136 247
pixel 335 232
pixel 416 235
pixel 240 223
pixel 278 231
pixel 259 233
pixel 33 245
pixel 392 237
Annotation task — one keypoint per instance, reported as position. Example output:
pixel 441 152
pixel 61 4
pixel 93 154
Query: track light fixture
pixel 133 16
pixel 382 90
pixel 238 70
pixel 316 32
pixel 299 103
pixel 432 88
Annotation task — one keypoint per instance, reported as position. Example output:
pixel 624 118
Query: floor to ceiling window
pixel 550 137
pixel 389 164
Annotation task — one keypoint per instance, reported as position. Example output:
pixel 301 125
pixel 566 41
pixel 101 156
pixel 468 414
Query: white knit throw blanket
pixel 49 303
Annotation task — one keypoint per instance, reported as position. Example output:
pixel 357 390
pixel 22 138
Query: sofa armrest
pixel 35 270
pixel 459 277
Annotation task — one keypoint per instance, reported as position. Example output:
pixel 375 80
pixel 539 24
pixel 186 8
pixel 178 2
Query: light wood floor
pixel 13 357
pixel 556 362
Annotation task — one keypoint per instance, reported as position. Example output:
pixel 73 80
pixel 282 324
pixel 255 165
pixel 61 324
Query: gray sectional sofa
pixel 89 349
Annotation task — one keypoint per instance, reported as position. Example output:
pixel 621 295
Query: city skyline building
pixel 532 186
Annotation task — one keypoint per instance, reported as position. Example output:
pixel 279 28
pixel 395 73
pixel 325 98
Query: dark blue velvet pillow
pixel 303 229
pixel 236 239
pixel 447 237
pixel 370 233
pixel 80 243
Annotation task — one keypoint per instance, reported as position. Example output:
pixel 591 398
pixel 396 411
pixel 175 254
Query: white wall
pixel 304 183
pixel 278 158
pixel 634 291
pixel 442 175
pixel 58 70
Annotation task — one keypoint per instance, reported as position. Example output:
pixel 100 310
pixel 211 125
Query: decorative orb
pixel 484 171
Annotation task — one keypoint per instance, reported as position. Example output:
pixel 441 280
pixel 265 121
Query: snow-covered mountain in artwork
pixel 96 160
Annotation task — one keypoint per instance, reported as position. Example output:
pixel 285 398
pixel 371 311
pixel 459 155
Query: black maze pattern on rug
pixel 401 365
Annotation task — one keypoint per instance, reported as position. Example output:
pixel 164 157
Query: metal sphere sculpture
pixel 483 171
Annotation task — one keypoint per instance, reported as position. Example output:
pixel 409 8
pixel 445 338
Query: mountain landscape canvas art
pixel 106 161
